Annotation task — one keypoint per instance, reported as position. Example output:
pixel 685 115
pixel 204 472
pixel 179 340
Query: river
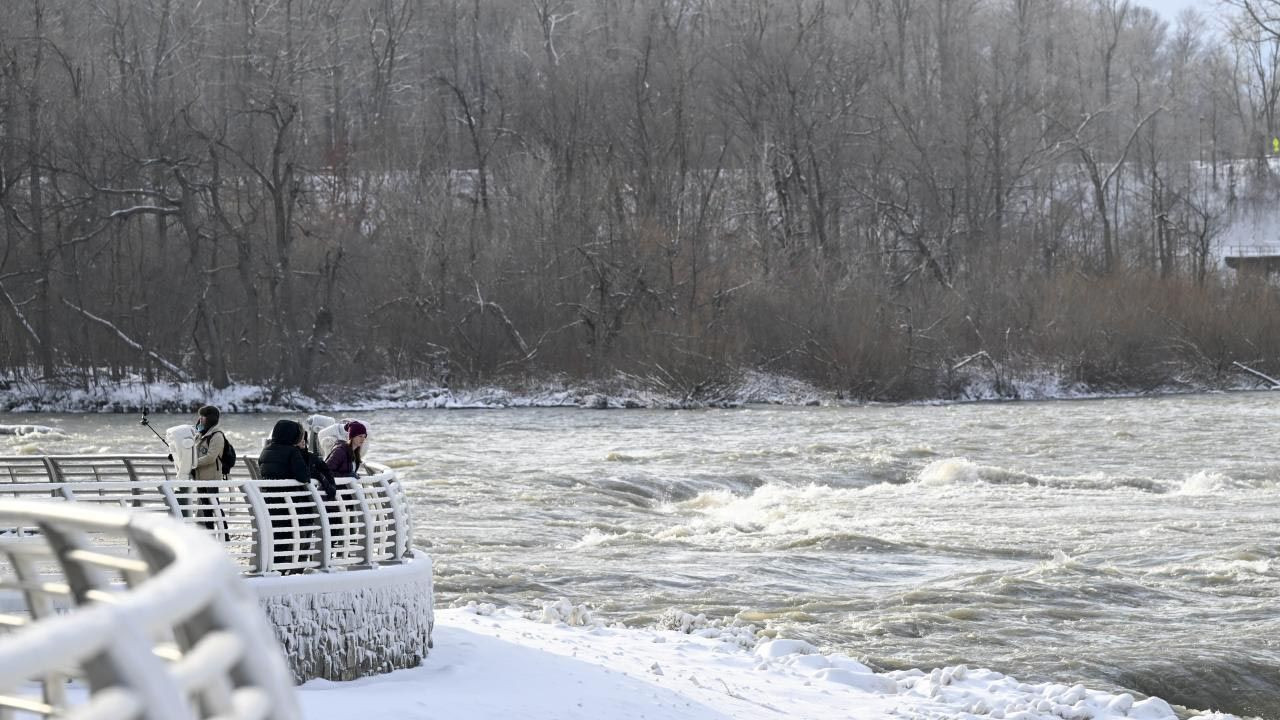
pixel 1124 543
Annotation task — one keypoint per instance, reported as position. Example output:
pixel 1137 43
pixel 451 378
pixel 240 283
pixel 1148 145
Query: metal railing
pixel 164 632
pixel 38 468
pixel 265 526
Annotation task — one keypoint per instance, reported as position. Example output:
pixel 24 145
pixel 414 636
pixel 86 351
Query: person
pixel 210 442
pixel 345 457
pixel 283 459
pixel 318 470
pixel 207 467
pixel 328 485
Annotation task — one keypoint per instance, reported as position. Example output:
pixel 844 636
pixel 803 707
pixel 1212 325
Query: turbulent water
pixel 1120 543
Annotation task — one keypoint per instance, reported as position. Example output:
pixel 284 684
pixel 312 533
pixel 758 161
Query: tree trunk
pixel 44 258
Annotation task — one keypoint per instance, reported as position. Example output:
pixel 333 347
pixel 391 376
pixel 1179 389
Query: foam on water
pixel 955 471
pixel 400 463
pixel 770 512
pixel 1208 482
pixel 595 538
pixel 962 471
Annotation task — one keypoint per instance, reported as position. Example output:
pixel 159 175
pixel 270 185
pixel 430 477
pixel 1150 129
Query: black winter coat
pixel 284 462
pixel 320 473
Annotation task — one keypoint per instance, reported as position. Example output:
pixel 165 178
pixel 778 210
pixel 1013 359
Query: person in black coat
pixel 281 459
pixel 284 459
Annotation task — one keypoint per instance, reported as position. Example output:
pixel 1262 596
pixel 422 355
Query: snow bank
pixel 972 383
pixel 496 663
pixel 133 394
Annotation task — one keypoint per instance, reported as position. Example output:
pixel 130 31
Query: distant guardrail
pixel 265 526
pixel 1252 251
pixel 165 632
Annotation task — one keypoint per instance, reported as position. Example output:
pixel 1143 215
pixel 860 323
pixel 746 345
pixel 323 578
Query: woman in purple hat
pixel 345 457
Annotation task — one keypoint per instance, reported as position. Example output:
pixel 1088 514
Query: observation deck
pixel 267 527
pixel 338 580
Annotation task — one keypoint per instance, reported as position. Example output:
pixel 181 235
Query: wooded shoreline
pixel 868 196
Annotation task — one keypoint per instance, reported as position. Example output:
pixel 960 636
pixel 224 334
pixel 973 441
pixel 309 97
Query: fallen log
pixel 1275 384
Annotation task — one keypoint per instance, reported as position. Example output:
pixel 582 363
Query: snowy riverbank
pixel 495 664
pixel 747 387
pixel 132 395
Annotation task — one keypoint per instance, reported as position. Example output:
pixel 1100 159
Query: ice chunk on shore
pixel 774 649
pixel 563 611
pixel 1152 709
pixel 868 682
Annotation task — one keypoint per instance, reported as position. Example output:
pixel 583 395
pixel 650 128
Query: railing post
pixel 326 538
pixel 368 522
pixel 51 469
pixel 40 607
pixel 133 477
pixel 263 539
pixel 398 519
pixel 171 499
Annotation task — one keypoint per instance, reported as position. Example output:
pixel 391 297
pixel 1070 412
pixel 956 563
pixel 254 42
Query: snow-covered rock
pixel 774 649
pixel 564 612
pixel 868 682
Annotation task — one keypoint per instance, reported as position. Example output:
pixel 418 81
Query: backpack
pixel 228 458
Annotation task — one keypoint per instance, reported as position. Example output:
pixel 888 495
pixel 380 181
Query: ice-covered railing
pixel 164 632
pixel 266 526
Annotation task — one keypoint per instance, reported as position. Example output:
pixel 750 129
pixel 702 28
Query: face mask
pixel 200 427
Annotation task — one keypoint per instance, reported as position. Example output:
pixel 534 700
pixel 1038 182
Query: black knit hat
pixel 210 414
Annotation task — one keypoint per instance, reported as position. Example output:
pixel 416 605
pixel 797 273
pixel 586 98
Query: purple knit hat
pixel 355 429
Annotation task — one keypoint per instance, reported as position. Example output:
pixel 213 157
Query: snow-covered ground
pixel 975 382
pixel 132 395
pixel 491 664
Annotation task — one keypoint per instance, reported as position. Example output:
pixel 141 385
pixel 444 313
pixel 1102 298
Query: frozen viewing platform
pixel 339 580
pixel 267 526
